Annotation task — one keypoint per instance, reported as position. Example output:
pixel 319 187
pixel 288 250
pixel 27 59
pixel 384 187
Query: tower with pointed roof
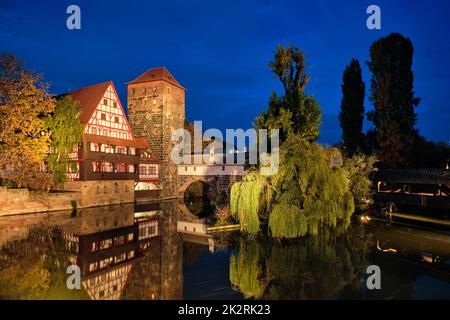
pixel 156 107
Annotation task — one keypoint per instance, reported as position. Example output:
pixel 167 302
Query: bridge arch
pixel 192 179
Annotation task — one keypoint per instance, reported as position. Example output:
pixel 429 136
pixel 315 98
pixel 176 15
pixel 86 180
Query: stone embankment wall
pixel 79 194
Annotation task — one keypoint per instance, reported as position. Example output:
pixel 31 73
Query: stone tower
pixel 156 107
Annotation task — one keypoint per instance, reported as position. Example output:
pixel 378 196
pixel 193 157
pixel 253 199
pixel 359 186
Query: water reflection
pixel 162 251
pixel 313 268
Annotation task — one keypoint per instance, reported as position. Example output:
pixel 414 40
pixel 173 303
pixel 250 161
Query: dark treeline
pixel 393 138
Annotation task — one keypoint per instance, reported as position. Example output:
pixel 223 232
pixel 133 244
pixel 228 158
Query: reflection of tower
pixel 158 274
pixel 156 107
pixel 171 254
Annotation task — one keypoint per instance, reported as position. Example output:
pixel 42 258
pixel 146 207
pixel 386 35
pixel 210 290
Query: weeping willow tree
pixel 310 192
pixel 248 200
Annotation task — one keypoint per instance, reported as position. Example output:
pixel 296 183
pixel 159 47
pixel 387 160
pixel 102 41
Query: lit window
pixel 132 151
pixel 131 168
pixel 106 244
pixel 120 167
pixel 121 150
pixel 107 148
pixel 118 241
pixel 107 167
pixel 94 246
pixel 95 147
pixel 96 168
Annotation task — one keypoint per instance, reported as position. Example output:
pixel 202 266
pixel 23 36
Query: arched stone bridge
pixel 219 177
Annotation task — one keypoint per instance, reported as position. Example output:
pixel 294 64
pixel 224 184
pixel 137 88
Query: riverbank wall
pixel 76 194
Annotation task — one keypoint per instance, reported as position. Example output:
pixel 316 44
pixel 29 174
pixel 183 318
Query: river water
pixel 161 251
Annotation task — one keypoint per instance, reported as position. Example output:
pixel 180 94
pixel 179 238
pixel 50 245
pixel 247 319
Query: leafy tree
pixel 312 190
pixel 359 168
pixel 351 115
pixel 295 110
pixel 394 100
pixel 310 193
pixel 65 130
pixel 25 106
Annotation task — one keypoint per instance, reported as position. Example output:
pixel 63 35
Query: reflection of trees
pixel 311 268
pixel 35 268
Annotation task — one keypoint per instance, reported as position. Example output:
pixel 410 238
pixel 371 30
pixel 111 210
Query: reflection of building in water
pixel 158 274
pixel 106 258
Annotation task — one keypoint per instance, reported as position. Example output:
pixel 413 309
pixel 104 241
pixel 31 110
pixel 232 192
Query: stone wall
pixel 103 192
pixel 82 193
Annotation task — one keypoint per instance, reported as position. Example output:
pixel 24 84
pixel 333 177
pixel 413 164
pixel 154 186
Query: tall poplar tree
pixel 393 99
pixel 351 115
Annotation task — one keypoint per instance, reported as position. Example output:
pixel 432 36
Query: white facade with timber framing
pixel 109 150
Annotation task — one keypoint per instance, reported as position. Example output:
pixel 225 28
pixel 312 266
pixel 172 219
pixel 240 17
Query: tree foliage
pixel 393 97
pixel 359 168
pixel 65 130
pixel 312 191
pixel 294 111
pixel 351 115
pixel 25 106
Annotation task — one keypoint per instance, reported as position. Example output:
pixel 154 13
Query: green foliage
pixel 310 181
pixel 351 115
pixel 246 270
pixel 310 193
pixel 246 201
pixel 392 94
pixel 296 111
pixel 359 168
pixel 66 130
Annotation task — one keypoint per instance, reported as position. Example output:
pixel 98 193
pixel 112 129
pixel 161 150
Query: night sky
pixel 219 50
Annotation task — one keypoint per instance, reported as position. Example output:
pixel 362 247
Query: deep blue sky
pixel 219 50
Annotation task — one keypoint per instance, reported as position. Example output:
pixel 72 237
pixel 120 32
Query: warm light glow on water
pixel 165 254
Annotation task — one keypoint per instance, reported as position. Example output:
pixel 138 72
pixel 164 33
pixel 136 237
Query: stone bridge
pixel 219 177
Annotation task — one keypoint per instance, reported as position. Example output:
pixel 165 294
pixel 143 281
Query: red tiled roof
pixel 88 98
pixel 157 74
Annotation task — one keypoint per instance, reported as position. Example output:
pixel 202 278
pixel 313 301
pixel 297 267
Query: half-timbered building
pixel 109 150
